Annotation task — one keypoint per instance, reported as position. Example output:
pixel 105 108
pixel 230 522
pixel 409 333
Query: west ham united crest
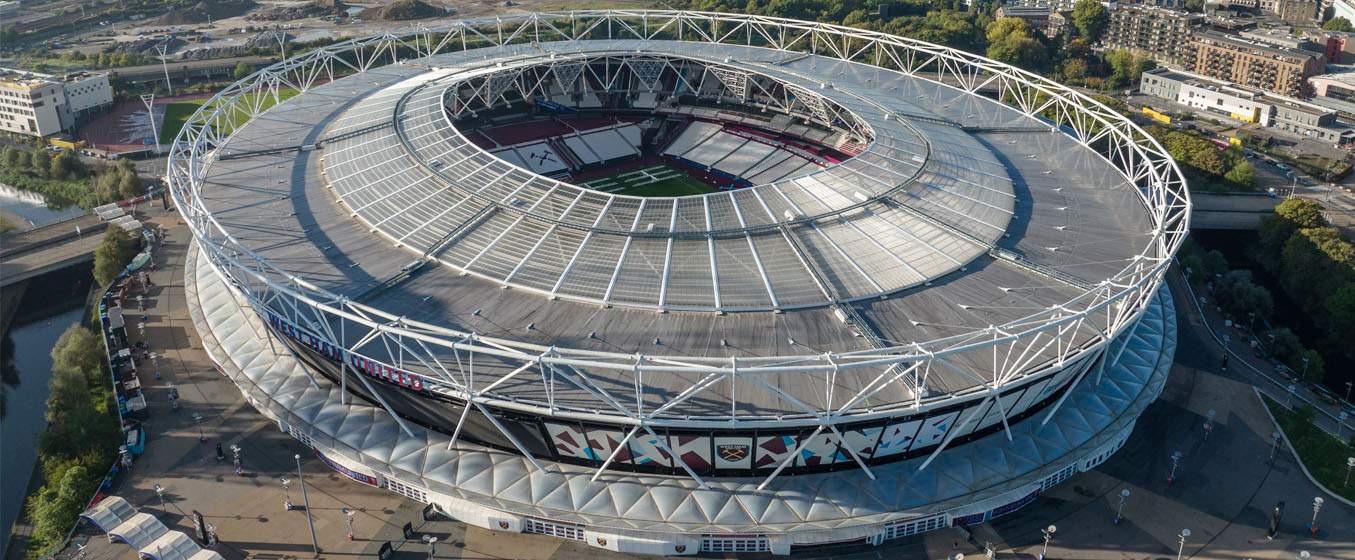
pixel 602 541
pixel 503 524
pixel 732 452
pixel 679 548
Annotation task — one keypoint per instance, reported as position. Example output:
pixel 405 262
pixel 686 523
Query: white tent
pixel 110 513
pixel 173 545
pixel 142 529
pixel 205 554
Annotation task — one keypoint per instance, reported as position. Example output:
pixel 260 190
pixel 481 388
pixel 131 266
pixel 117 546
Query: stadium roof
pixel 1003 219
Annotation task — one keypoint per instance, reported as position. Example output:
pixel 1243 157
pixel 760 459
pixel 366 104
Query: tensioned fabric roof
pixel 1070 212
pixel 1102 407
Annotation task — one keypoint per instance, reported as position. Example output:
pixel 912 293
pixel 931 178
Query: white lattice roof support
pixel 647 71
pixel 735 80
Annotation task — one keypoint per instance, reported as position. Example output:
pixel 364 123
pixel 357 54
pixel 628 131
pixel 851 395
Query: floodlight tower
pixel 163 48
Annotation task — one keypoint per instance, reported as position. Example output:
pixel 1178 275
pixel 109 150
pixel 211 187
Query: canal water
pixel 52 303
pixel 31 207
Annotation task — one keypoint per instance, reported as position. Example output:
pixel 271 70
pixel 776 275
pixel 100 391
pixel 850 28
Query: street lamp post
pixel 1289 398
pixel 306 500
pixel 1349 384
pixel 1305 368
pixel 432 545
pixel 1341 422
pixel 160 491
pixel 1317 506
pixel 1119 512
pixel 1350 466
pixel 1209 424
pixel 286 494
pixel 1048 533
pixel 197 419
pixel 1184 533
pixel 1276 447
pixel 1176 458
pixel 349 513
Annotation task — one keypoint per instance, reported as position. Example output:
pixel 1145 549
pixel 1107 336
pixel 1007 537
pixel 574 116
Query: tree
pixel 1242 176
pixel 1309 365
pixel 1000 30
pixel 78 350
pixel 130 185
pixel 1195 6
pixel 41 163
pixel 1215 263
pixel 1091 19
pixel 1338 23
pixel 1074 69
pixel 9 157
pixel 241 70
pixel 1282 343
pixel 1022 52
pixel 112 256
pixel 1241 297
pixel 62 166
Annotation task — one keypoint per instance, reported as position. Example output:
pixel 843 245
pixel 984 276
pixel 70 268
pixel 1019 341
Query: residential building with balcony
pixel 1255 64
pixel 1160 33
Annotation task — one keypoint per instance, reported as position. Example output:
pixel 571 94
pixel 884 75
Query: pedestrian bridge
pixel 1237 211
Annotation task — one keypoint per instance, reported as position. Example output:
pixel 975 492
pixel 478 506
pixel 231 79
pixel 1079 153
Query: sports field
pixel 655 180
pixel 177 113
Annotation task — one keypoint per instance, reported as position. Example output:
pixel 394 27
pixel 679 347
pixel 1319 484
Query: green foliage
pixel 1242 176
pixel 1281 342
pixel 1126 67
pixel 1308 364
pixel 111 257
pixel 119 182
pixel 1241 297
pixel 81 438
pixel 1322 454
pixel 61 180
pixel 1315 266
pixel 1091 19
pixel 1338 23
pixel 6 225
pixel 1215 263
pixel 1194 6
pixel 241 70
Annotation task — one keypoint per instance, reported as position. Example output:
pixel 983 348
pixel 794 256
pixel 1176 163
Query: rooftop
pixel 1069 212
pixel 1215 38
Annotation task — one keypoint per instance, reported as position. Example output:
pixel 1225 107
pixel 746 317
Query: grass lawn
pixel 177 113
pixel 653 181
pixel 1324 455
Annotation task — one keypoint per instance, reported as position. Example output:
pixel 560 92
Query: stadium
pixel 674 282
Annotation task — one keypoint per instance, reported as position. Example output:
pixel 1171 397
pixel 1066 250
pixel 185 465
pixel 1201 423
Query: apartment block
pixel 37 104
pixel 1254 64
pixel 1160 33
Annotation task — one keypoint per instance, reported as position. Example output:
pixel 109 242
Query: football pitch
pixel 655 180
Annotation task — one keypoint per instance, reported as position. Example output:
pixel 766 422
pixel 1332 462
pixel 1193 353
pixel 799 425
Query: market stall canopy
pixel 141 530
pixel 110 513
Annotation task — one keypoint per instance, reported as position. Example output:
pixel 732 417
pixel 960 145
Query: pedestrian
pixel 220 455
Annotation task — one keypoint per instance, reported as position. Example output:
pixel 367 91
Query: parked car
pixel 1282 166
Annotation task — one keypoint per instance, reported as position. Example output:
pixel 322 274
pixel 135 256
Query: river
pixel 26 397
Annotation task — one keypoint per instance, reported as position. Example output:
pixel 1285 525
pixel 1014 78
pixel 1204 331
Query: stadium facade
pixel 923 288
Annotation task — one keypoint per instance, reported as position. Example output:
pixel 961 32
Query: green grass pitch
pixel 653 181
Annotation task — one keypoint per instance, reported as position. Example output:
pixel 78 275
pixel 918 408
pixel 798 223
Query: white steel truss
pixel 448 356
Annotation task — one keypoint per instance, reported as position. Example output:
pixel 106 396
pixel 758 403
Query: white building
pixel 1245 104
pixel 36 104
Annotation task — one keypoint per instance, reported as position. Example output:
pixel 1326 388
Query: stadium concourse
pixel 461 271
